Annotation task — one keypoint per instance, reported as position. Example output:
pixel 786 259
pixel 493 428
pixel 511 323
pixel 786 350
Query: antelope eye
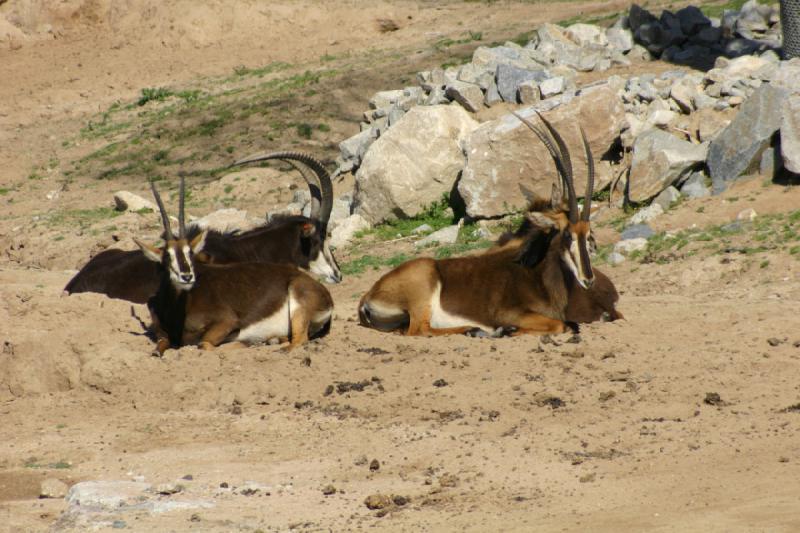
pixel 567 237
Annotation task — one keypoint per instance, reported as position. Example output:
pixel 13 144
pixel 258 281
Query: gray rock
pixel 751 19
pixel 692 20
pixel 419 230
pixel 106 495
pixel 490 58
pixel 659 160
pixel 615 258
pixel 385 98
pixel 703 101
pixel 637 231
pixel 492 96
pixel 631 245
pixel 695 186
pixel 740 47
pixel 637 16
pixel 667 197
pixel 346 229
pixel 647 214
pixel 640 53
pixel 168 489
pixel 507 165
pixel 127 201
pixel 684 95
pixel 790 134
pixel 413 164
pixel 737 149
pixel 708 35
pixel 53 488
pixel 586 34
pixel 508 79
pixel 356 146
pixel 771 161
pixel 436 97
pixel 529 92
pixel 552 86
pixel 468 95
pixel 448 235
pixel 341 209
pixel 476 74
pixel 229 219
pixel 619 39
pixel 394 116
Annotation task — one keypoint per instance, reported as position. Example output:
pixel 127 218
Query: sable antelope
pixel 295 240
pixel 245 302
pixel 522 286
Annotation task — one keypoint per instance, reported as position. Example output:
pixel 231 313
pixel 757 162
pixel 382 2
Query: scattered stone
pixel 552 86
pixel 775 341
pixel 468 95
pixel 713 398
pixel 440 383
pixel 737 149
pixel 667 197
pixel 448 480
pixel 747 215
pixel 615 258
pixel 586 34
pixel 53 488
pixel 659 160
pixel 354 148
pixel 545 399
pixel 345 231
pixel 646 214
pixel 374 465
pixel 628 246
pixel 588 478
pixel 790 134
pixel 414 162
pixel 127 201
pixel 399 500
pixel 695 186
pixel 422 229
pixel 509 78
pixel 448 235
pixel 169 489
pixel 529 92
pixel 637 231
pixel 620 39
pixel 106 495
pixel 378 501
pixel 328 490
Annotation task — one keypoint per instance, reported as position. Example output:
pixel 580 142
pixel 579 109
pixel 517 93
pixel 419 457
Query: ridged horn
pixel 181 219
pixel 560 154
pixel 164 218
pixel 587 199
pixel 321 188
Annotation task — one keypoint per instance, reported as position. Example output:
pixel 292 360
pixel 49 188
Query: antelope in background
pixel 247 302
pixel 523 285
pixel 293 240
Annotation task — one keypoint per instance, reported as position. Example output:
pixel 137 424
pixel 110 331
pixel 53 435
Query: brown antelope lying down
pixel 293 240
pixel 532 282
pixel 246 302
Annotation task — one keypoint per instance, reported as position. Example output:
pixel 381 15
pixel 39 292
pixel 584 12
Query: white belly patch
pixel 273 326
pixel 442 319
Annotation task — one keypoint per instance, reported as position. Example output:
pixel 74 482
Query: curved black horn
pixel 181 220
pixel 164 218
pixel 560 154
pixel 321 189
pixel 587 199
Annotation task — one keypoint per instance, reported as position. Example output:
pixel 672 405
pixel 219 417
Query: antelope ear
pixel 198 242
pixel 150 252
pixel 308 229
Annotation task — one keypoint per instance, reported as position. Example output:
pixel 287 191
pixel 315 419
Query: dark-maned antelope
pixel 523 286
pixel 246 302
pixel 293 240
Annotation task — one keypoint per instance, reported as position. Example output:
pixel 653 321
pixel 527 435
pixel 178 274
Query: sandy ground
pixel 609 432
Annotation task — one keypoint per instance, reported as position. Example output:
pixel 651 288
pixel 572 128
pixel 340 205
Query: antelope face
pixel 320 258
pixel 177 257
pixel 577 243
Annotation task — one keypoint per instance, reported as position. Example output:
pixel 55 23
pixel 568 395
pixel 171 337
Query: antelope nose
pixel 186 278
pixel 589 282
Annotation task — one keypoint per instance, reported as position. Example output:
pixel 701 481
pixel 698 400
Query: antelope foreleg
pixel 216 334
pixel 536 324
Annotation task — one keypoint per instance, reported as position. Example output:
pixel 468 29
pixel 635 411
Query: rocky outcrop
pixel 660 160
pixel 738 148
pixel 507 164
pixel 413 164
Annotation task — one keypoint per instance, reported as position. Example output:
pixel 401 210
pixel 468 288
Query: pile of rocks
pixel 678 133
pixel 688 36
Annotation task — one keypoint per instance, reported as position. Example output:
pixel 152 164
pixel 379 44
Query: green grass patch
pixel 82 218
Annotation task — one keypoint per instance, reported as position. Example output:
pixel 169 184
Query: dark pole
pixel 790 26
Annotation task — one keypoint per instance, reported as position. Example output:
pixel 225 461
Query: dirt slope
pixel 619 431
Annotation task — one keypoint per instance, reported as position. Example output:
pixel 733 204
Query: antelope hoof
pixel 205 345
pixel 572 326
pixel 506 331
